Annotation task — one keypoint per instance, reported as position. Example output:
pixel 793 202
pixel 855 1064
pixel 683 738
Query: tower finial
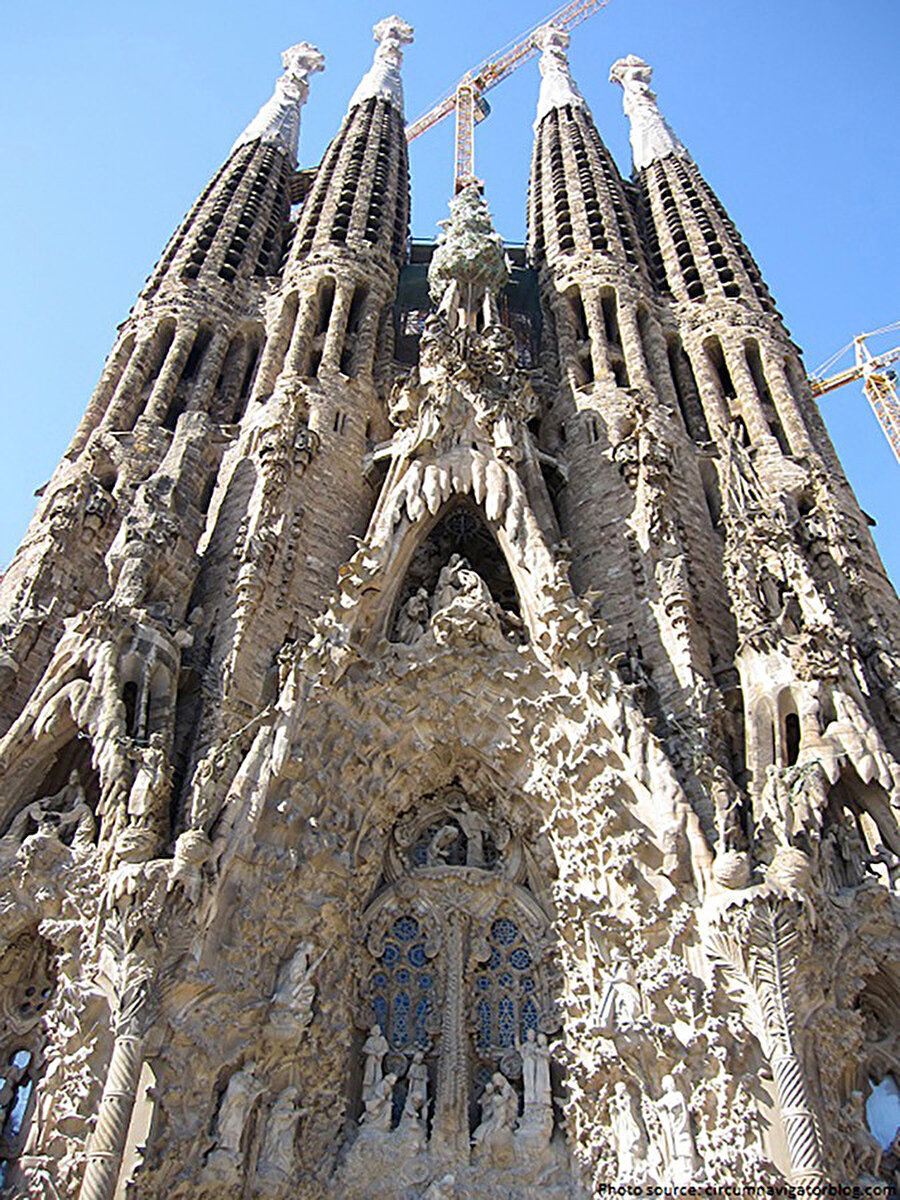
pixel 382 80
pixel 558 88
pixel 651 136
pixel 278 121
pixel 469 264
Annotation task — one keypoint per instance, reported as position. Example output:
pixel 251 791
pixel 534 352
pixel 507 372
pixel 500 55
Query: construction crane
pixel 879 383
pixel 467 98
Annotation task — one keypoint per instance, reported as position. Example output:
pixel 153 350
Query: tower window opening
pixel 754 363
pixel 791 738
pixel 247 381
pixel 325 305
pixel 201 342
pixel 610 317
pixel 716 356
pixel 584 361
pixel 686 390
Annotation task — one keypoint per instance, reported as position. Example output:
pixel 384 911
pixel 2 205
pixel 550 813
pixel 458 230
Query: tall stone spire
pixel 577 202
pixel 278 121
pixel 558 88
pixel 382 81
pixel 651 135
pixel 748 371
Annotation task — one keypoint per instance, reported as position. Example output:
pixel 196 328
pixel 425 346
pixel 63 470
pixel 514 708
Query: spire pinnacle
pixel 651 136
pixel 382 80
pixel 278 121
pixel 558 88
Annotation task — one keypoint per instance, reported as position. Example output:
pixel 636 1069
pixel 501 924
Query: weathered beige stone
pixel 469 776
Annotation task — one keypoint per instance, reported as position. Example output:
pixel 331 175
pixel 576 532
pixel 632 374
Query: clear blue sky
pixel 114 115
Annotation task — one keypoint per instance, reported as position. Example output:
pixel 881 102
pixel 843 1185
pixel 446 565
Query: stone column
pixel 170 374
pixel 450 1132
pixel 302 334
pixel 632 347
pixel 748 397
pixel 103 393
pixel 213 361
pixel 273 355
pixel 139 368
pixel 337 326
pixel 715 406
pixel 785 404
pixel 106 1144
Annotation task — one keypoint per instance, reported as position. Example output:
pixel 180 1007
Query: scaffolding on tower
pixel 467 98
pixel 879 381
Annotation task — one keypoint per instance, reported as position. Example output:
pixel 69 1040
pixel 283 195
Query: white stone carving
pixel 678 1140
pixel 651 136
pixel 382 80
pixel 558 88
pixel 276 1158
pixel 374 1049
pixel 278 121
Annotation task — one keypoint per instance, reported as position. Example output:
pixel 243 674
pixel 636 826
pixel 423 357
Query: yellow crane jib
pixel 879 382
pixel 467 99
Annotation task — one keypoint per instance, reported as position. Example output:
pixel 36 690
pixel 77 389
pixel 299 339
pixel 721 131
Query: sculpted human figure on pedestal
pixel 374 1049
pixel 416 1088
pixel 677 1136
pixel 535 1054
pixel 628 1135
pixel 412 620
pixel 499 1110
pixel 379 1105
pixel 243 1089
pixel 292 1001
pixel 276 1159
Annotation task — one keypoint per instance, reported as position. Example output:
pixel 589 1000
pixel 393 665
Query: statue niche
pixel 457 570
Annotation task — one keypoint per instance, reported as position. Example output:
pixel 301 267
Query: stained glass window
pixel 505 988
pixel 400 991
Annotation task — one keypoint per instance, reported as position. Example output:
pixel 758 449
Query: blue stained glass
pixel 482 983
pixel 495 960
pixel 483 1020
pixel 400 1024
pixel 520 958
pixel 379 979
pixel 380 1011
pixel 423 1008
pixel 417 955
pixel 529 1015
pixel 505 1022
pixel 406 929
pixel 420 854
pixel 504 931
pixel 527 985
pixel 425 982
pixel 402 976
pixel 390 954
pixel 14 1121
pixel 505 980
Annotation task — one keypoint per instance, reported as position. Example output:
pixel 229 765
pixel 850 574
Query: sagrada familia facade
pixel 450 705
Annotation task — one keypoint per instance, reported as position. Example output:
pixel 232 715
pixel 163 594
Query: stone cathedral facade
pixel 450 705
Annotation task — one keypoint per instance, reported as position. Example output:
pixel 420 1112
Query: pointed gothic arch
pixel 461 527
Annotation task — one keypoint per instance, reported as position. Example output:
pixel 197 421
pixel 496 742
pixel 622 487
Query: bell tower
pixel 451 701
